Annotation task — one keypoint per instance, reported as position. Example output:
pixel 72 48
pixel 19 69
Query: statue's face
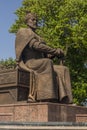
pixel 32 22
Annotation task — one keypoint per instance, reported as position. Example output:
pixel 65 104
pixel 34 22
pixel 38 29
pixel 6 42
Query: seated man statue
pixel 48 82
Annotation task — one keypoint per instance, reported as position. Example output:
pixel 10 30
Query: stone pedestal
pixel 14 86
pixel 42 112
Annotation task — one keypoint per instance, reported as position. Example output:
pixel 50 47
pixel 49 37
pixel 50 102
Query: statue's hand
pixel 50 56
pixel 59 53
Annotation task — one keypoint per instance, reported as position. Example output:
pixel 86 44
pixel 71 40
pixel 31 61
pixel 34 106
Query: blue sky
pixel 7 18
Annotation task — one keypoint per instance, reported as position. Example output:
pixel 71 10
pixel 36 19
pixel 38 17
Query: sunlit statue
pixel 48 82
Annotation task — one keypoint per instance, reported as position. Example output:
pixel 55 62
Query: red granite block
pixel 81 117
pixel 42 112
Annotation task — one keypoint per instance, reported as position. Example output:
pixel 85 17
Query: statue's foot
pixel 30 100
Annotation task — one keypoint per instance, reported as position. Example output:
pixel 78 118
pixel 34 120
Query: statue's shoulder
pixel 24 31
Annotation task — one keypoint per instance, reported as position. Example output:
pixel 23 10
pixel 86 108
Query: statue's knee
pixel 48 61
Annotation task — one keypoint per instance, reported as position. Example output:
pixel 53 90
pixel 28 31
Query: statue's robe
pixel 46 80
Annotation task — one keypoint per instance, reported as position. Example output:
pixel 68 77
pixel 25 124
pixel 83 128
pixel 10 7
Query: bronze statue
pixel 48 82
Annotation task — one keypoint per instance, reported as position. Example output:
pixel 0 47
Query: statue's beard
pixel 32 26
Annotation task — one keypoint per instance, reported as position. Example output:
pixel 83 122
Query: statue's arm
pixel 40 46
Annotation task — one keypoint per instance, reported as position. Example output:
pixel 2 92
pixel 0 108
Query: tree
pixel 9 63
pixel 62 23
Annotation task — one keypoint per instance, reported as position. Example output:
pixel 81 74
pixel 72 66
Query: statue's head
pixel 31 20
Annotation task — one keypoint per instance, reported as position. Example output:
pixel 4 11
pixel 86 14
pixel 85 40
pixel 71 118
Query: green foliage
pixel 62 23
pixel 7 64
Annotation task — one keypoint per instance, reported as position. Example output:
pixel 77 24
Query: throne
pixel 14 85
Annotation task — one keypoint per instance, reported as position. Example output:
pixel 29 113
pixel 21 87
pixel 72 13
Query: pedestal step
pixel 43 126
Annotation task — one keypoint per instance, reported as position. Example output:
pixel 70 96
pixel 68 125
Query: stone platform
pixel 42 112
pixel 43 126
